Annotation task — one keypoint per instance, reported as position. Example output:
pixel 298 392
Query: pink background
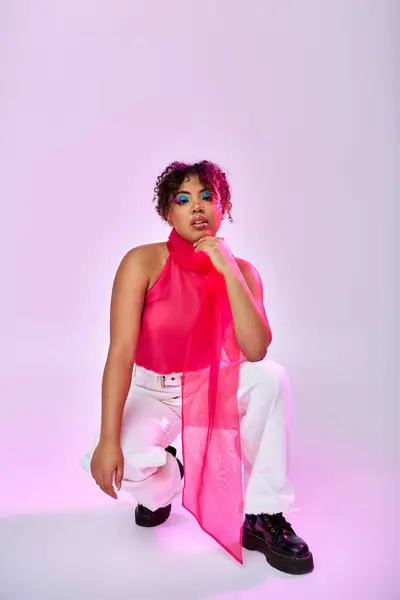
pixel 297 101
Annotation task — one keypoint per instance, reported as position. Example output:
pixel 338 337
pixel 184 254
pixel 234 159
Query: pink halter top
pixel 170 310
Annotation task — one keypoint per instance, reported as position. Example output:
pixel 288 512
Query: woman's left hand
pixel 218 251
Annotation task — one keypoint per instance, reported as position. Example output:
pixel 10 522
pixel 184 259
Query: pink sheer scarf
pixel 213 489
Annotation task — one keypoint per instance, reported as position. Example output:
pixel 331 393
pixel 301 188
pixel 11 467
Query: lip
pixel 201 219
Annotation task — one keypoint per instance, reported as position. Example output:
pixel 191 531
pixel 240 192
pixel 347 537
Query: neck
pixel 183 253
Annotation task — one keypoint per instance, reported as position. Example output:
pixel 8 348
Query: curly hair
pixel 210 175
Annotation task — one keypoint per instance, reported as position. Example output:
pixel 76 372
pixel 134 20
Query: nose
pixel 198 207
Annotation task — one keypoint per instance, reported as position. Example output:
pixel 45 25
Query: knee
pixel 266 372
pixel 140 464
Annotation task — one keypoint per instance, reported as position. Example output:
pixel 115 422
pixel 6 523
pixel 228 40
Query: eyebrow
pixel 189 194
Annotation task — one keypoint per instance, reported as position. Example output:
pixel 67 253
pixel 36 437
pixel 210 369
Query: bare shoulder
pixel 146 256
pixel 247 269
pixel 144 263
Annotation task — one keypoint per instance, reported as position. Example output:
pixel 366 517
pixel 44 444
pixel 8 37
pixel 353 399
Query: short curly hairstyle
pixel 210 175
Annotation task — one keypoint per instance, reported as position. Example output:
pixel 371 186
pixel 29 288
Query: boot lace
pixel 277 523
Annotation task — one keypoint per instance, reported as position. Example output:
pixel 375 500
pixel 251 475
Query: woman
pixel 188 320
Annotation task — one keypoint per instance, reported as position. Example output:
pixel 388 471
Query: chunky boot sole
pixel 153 518
pixel 293 566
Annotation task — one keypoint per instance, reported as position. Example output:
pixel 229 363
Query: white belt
pixel 147 378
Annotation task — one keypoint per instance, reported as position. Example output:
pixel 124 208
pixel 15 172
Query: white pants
pixel 152 421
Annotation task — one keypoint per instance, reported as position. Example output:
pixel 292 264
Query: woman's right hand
pixel 106 459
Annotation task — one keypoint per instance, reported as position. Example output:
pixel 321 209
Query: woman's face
pixel 195 211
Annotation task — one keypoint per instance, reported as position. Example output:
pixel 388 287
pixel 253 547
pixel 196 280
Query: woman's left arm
pixel 250 322
pixel 245 291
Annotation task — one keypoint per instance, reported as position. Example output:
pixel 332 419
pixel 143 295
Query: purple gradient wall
pixel 297 102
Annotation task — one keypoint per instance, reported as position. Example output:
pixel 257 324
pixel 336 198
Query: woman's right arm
pixel 127 298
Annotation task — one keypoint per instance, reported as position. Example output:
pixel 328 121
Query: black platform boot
pixel 145 517
pixel 275 538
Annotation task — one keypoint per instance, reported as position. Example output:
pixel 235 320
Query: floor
pixel 87 547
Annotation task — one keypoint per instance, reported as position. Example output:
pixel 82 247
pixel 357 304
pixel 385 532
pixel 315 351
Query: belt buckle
pixel 164 382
